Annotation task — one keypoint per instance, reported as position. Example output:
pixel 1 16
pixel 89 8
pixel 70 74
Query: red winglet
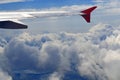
pixel 87 13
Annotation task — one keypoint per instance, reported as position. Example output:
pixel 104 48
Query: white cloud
pixel 109 6
pixel 54 76
pixel 112 56
pixel 93 55
pixel 4 76
pixel 11 1
pixel 98 1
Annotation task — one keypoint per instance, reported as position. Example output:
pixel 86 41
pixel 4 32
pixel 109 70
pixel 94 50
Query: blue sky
pixel 38 4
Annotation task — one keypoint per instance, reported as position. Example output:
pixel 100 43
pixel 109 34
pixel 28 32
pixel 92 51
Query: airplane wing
pixel 10 20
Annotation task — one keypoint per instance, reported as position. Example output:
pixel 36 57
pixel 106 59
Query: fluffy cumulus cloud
pixel 94 55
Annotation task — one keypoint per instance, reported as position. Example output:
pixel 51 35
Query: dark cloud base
pixel 62 56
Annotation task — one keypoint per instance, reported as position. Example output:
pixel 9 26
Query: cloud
pixel 4 76
pixel 54 76
pixel 11 1
pixel 109 6
pixel 98 1
pixel 63 56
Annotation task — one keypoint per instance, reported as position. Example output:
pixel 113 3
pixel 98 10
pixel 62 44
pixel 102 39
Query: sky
pixel 38 4
pixel 107 13
pixel 64 48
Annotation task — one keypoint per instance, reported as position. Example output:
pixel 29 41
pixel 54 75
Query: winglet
pixel 87 13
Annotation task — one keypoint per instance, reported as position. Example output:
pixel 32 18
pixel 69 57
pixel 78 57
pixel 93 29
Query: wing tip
pixel 87 13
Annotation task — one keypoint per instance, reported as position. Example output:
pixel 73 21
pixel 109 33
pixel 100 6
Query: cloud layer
pixel 62 56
